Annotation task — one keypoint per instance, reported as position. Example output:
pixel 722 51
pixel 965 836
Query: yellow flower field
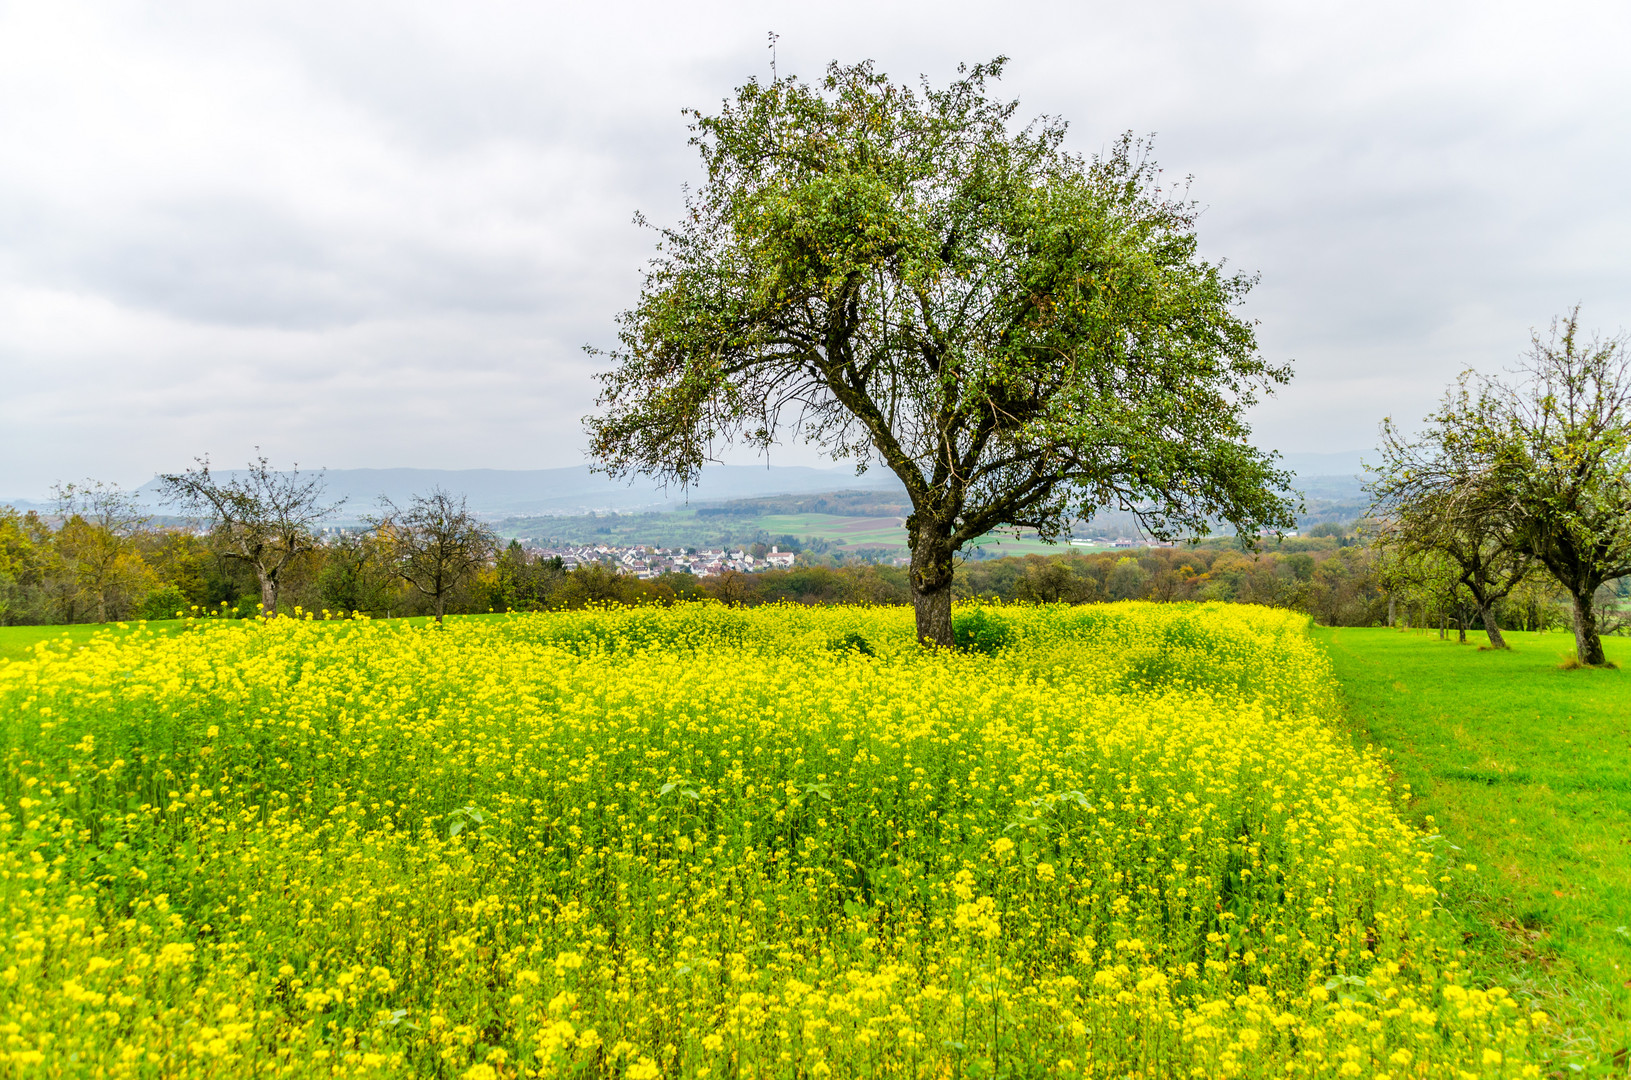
pixel 705 842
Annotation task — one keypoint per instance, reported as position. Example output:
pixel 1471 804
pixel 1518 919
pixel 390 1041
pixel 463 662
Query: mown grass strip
pixel 1526 767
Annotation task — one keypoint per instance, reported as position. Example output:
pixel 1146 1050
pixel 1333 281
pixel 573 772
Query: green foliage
pixel 1562 456
pixel 852 641
pixel 1448 532
pixel 166 602
pixel 909 277
pixel 982 630
pixel 1510 473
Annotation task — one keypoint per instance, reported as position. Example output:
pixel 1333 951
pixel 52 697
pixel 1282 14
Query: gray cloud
pixel 368 234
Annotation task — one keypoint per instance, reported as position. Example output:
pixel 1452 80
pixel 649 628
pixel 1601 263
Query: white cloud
pixel 367 234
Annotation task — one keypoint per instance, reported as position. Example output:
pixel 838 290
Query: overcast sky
pixel 378 234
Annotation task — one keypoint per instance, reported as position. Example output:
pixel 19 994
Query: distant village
pixel 648 562
pixel 645 562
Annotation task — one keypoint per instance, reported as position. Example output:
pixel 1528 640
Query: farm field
pixel 701 528
pixel 851 532
pixel 1528 769
pixel 706 842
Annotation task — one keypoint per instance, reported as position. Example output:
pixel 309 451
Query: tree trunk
pixel 931 586
pixel 268 593
pixel 1496 641
pixel 1390 612
pixel 1588 647
pixel 441 606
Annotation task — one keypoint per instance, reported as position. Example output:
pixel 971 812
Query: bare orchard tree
pixel 437 542
pixel 261 517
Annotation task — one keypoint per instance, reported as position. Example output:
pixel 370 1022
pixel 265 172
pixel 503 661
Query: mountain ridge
pixel 575 490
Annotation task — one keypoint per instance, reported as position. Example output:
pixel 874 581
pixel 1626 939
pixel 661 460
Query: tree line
pixel 100 558
pixel 262 549
pixel 1511 509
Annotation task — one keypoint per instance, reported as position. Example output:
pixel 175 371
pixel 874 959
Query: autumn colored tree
pixel 96 545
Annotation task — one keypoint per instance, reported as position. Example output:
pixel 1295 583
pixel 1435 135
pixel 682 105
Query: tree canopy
pixel 1023 335
pixel 436 543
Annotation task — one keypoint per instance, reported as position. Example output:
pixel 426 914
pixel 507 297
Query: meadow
pixel 704 842
pixel 1528 768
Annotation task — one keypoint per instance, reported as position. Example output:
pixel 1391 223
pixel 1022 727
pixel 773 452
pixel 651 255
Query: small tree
pixel 1426 581
pixel 437 544
pixel 1023 336
pixel 1562 452
pixel 357 575
pixel 262 517
pixel 96 543
pixel 1440 493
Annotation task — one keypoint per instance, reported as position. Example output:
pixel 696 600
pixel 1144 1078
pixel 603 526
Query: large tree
pixel 1562 449
pixel 1439 492
pixel 1022 335
pixel 261 517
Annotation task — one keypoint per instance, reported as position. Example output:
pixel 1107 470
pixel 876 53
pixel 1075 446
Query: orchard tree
pixel 261 517
pixel 908 277
pixel 437 544
pixel 1441 493
pixel 1562 450
pixel 1426 581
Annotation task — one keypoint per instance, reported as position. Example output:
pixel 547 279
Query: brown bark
pixel 932 570
pixel 1496 641
pixel 268 593
pixel 1588 647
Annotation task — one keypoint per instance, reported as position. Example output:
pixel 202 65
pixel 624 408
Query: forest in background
pixel 74 570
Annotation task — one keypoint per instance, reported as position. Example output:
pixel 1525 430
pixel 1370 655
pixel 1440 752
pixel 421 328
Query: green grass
pixel 1527 769
pixel 17 642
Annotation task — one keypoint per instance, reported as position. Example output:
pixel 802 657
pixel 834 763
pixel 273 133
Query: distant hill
pixel 1330 482
pixel 1347 463
pixel 498 493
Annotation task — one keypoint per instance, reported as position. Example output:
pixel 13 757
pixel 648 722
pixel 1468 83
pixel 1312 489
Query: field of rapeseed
pixel 703 842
